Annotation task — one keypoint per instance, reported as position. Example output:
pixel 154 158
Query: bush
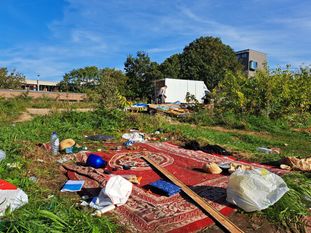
pixel 271 94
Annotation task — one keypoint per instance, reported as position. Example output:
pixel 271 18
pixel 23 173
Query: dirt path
pixel 30 113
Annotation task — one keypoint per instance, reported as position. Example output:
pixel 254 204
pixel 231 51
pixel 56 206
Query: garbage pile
pixel 114 189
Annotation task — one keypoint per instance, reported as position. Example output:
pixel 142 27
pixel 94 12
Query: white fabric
pixel 12 199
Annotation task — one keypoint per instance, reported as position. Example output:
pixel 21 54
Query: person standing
pixel 161 95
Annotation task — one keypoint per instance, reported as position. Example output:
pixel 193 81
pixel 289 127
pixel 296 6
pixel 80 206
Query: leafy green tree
pixel 170 68
pixel 110 88
pixel 208 59
pixel 11 80
pixel 141 73
pixel 80 80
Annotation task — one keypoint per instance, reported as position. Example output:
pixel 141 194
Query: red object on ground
pixel 149 212
pixel 4 185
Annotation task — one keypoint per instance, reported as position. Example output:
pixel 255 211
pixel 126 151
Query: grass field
pixel 50 209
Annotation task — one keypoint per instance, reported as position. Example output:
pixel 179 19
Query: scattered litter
pixel 212 168
pixel 2 155
pixel 192 145
pixel 116 192
pixel 75 149
pixel 273 150
pixel 126 167
pixel 296 164
pixel 99 137
pixel 40 160
pixel 14 165
pixel 54 142
pixel 255 190
pixel 66 143
pixel 264 150
pixel 85 197
pixel 167 188
pixel 211 149
pixel 236 166
pixel 285 167
pixel 140 105
pixel 134 137
pixel 11 197
pixel 224 166
pixel 95 161
pixel 133 178
pixel 98 213
pixel 276 150
pixel 50 196
pixel 63 160
pixel 33 179
pixel 84 203
pixel 69 150
pixel 128 143
pixel 73 186
pixel 215 149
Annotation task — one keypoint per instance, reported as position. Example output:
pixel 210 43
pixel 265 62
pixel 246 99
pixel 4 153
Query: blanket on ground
pixel 149 212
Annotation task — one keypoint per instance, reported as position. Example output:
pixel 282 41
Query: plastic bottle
pixel 54 143
pixel 264 150
pixel 2 155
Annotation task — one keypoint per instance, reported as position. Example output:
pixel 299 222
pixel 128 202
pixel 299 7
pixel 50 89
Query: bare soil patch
pixel 31 112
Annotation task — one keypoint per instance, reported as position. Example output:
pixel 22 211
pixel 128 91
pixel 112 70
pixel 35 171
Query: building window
pixel 253 65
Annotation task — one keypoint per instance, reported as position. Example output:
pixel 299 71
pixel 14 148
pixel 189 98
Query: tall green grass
pixel 60 214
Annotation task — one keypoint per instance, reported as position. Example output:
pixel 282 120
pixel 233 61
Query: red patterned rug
pixel 149 212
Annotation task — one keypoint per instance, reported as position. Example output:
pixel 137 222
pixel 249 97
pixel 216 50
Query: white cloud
pixel 105 32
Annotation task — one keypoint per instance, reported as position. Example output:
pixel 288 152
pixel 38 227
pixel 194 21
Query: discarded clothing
pixel 99 137
pixel 192 145
pixel 11 197
pixel 215 149
pixel 211 149
pixel 297 164
pixel 165 187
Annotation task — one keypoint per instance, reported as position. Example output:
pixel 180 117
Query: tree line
pixel 271 93
pixel 206 59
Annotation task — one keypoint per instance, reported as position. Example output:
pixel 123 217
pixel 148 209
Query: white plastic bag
pixel 255 189
pixel 12 199
pixel 116 192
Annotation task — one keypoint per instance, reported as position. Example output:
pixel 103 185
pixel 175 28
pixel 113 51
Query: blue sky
pixel 52 37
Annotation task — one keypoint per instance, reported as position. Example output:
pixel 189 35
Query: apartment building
pixel 252 60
